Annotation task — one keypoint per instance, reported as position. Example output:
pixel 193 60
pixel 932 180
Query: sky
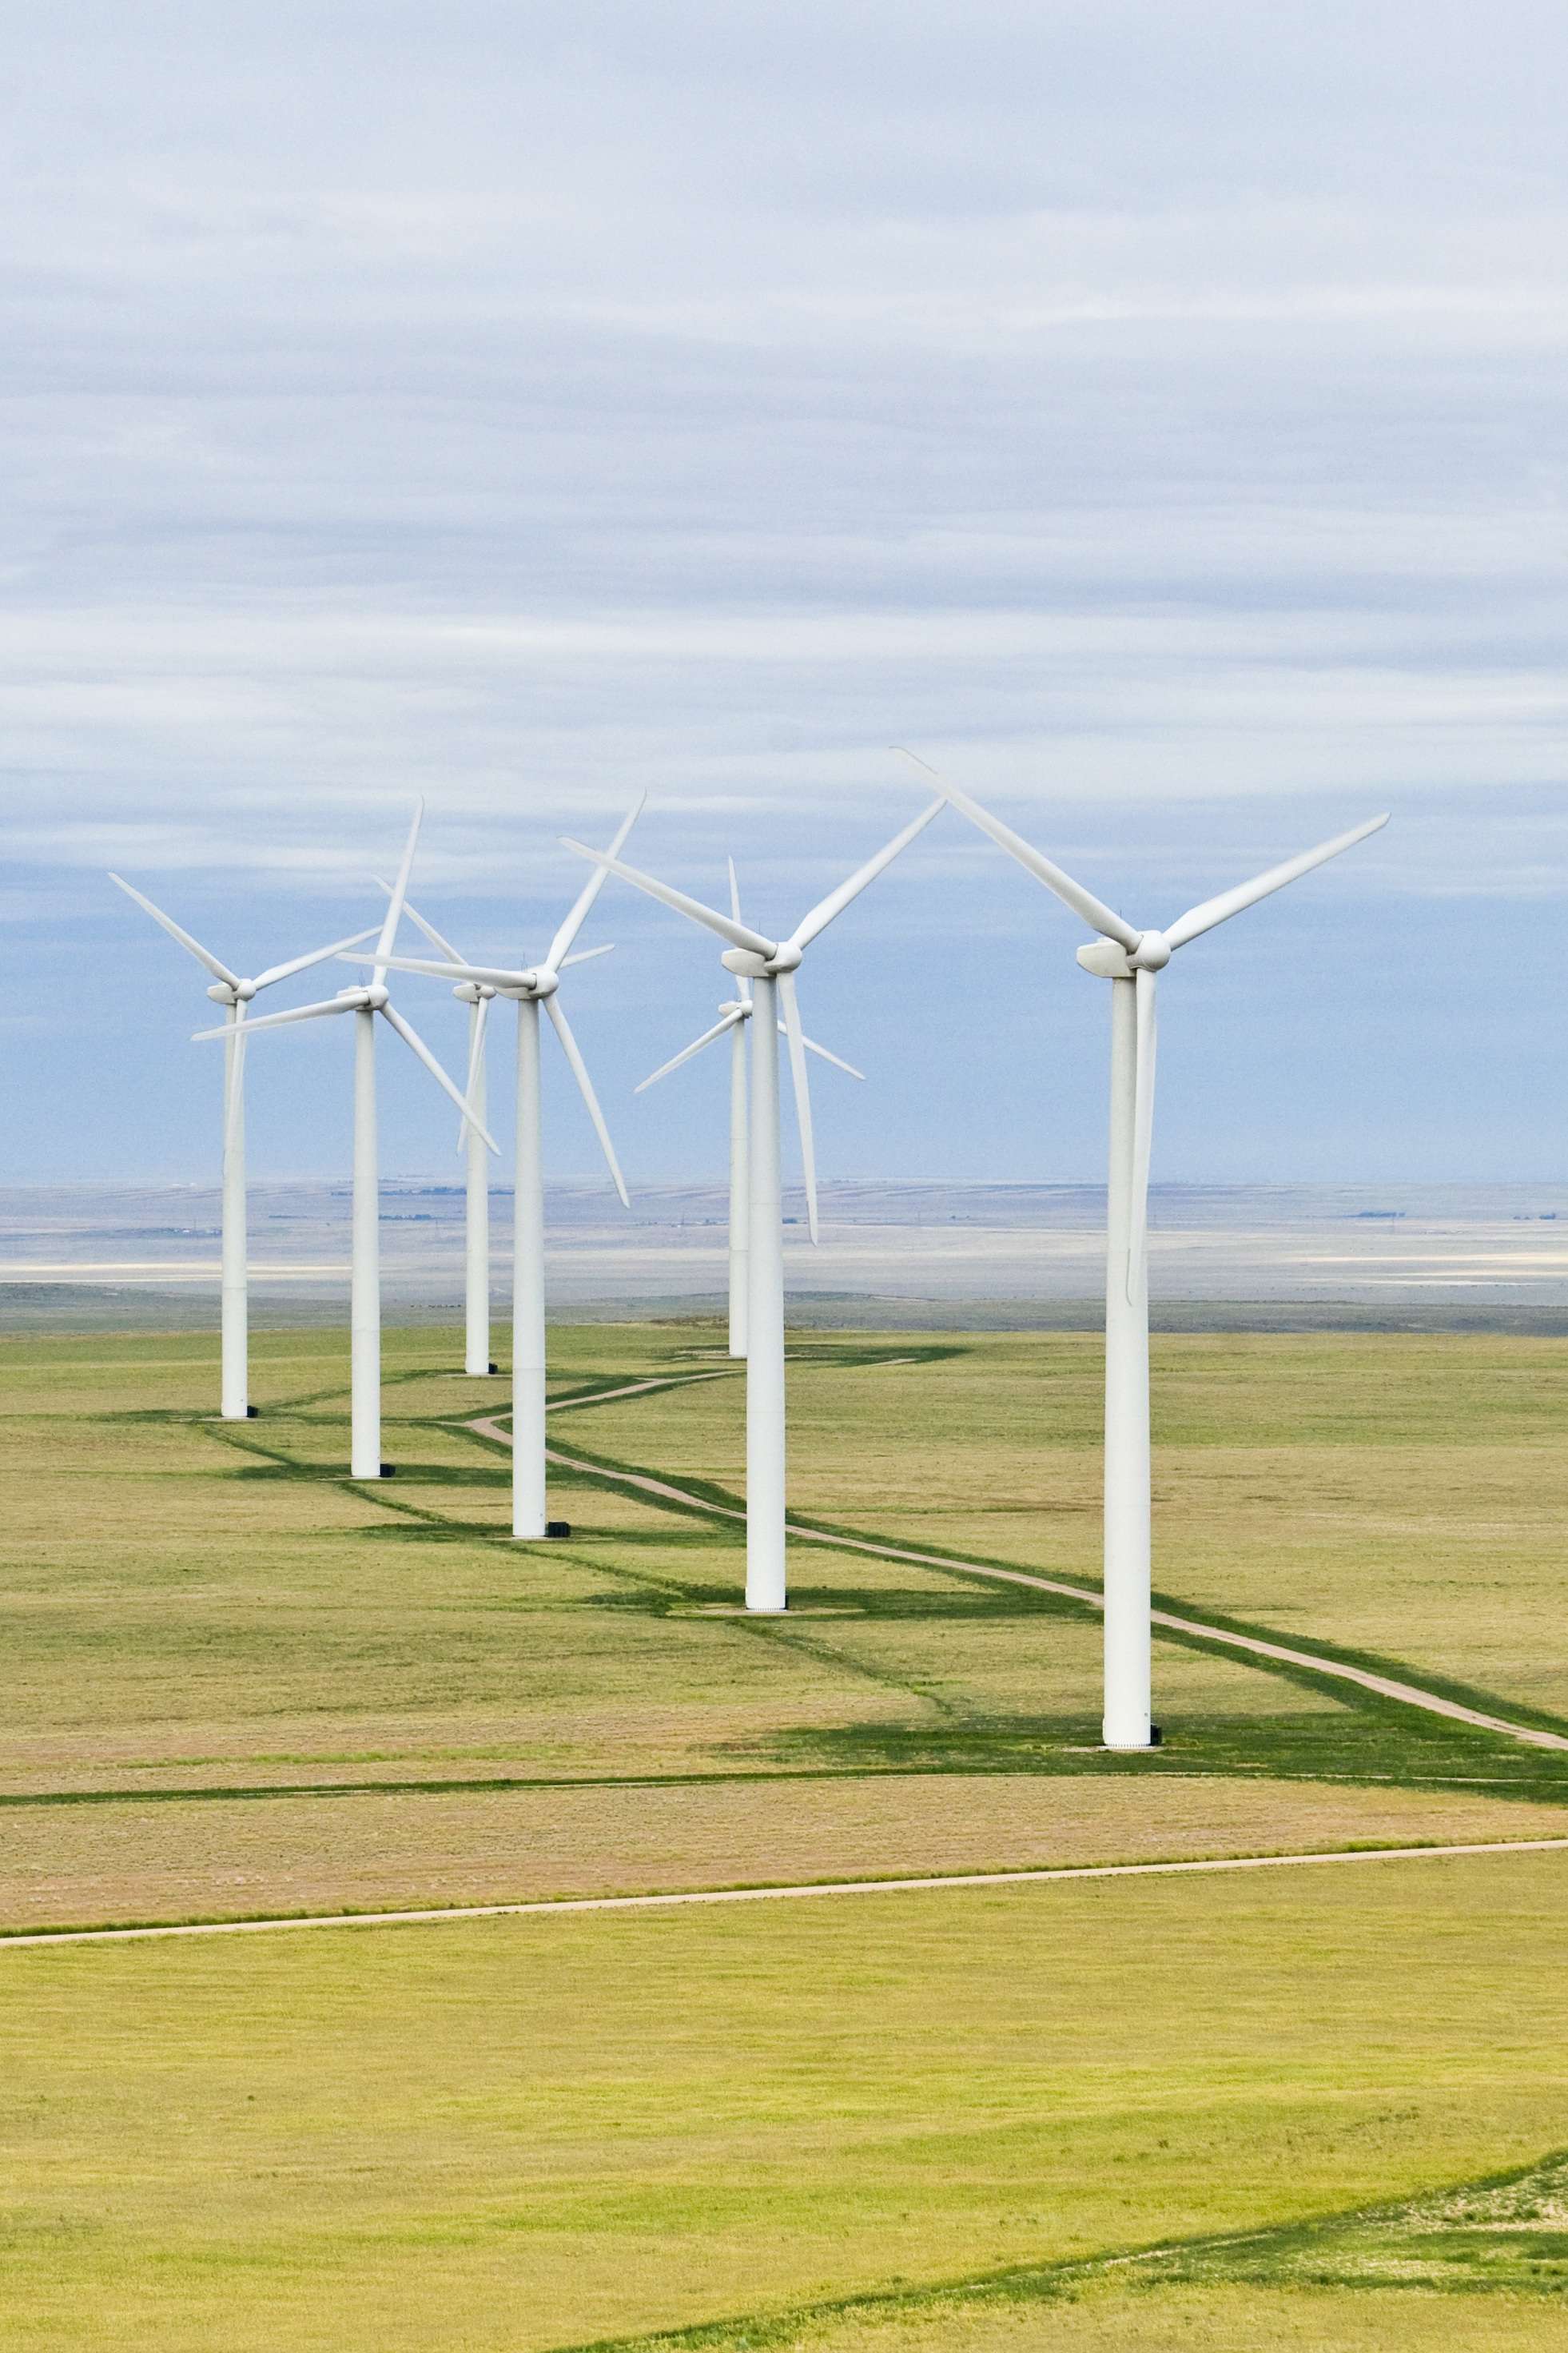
pixel 1152 415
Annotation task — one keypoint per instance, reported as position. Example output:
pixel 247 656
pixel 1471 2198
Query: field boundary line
pixel 1045 1875
pixel 1257 1645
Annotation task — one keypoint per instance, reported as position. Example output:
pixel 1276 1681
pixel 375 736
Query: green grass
pixel 212 1618
pixel 537 2132
pixel 1401 1496
pixel 237 1684
pixel 1340 2278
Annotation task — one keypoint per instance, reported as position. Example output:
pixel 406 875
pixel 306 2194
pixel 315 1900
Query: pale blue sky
pixel 1153 415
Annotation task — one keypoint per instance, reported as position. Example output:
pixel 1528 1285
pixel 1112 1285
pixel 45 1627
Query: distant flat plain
pixel 961 1256
pixel 239 1685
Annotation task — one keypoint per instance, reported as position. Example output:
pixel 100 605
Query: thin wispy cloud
pixel 1152 414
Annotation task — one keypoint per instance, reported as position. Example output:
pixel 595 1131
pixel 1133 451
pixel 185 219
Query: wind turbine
pixel 233 991
pixel 1131 959
pixel 771 966
pixel 528 989
pixel 365 1286
pixel 735 1015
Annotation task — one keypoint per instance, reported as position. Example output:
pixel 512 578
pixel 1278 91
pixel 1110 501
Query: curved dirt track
pixel 1254 1645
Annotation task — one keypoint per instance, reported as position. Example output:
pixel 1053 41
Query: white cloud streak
pixel 528 406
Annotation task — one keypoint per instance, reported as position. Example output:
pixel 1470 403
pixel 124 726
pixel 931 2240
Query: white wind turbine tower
pixel 234 991
pixel 365 1289
pixel 1130 959
pixel 771 966
pixel 528 989
pixel 735 1015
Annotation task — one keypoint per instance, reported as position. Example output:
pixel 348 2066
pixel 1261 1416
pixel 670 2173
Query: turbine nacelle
pixel 473 992
pixel 745 966
pixel 1109 960
pixel 367 1001
pixel 530 988
pixel 1106 960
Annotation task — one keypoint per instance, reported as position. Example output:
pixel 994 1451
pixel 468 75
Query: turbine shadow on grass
pixel 1364 1738
pixel 1363 1746
pixel 1506 2233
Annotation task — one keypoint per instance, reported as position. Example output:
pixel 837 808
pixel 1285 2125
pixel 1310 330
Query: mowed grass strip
pixel 75 1865
pixel 535 2133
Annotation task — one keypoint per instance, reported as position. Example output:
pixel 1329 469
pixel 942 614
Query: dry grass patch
pixel 367 1851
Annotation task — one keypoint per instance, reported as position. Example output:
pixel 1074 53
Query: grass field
pixel 238 1686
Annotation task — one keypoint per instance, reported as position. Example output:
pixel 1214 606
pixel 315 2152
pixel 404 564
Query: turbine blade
pixel 411 1037
pixel 276 972
pixel 586 956
pixel 686 1052
pixel 738 935
pixel 590 891
pixel 742 985
pixel 792 1030
pixel 475 1059
pixel 838 1062
pixel 218 970
pixel 494 975
pixel 822 914
pixel 1093 912
pixel 1143 1132
pixel 276 1021
pixel 1219 910
pixel 580 1072
pixel 394 915
pixel 419 923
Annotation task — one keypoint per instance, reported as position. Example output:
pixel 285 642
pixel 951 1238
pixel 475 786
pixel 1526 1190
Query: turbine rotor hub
pixel 1152 953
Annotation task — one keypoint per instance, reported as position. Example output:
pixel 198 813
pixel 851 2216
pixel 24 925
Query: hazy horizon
pixel 905 1250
